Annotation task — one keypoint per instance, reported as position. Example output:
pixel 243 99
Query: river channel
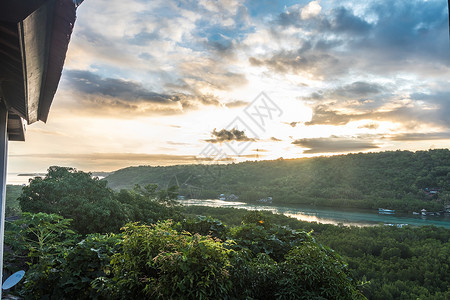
pixel 348 217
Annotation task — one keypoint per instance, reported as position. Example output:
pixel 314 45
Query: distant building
pixel 232 197
pixel 267 200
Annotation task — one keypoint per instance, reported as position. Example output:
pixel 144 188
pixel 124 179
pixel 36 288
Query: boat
pixel 386 211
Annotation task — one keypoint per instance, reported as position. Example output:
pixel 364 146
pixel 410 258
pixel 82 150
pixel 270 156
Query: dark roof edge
pixel 63 22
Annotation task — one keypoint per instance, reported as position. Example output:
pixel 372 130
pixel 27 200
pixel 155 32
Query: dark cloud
pixel 111 93
pixel 292 124
pixel 339 20
pixel 409 36
pixel 358 95
pixel 441 102
pixel 344 21
pixel 298 62
pixel 322 115
pixel 334 144
pixel 357 89
pixel 221 45
pixel 420 136
pixel 410 116
pixel 225 135
pixel 89 83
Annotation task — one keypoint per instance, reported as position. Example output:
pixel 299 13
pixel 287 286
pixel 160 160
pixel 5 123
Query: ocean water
pixel 15 179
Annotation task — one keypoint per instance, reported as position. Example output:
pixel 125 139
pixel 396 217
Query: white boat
pixel 386 211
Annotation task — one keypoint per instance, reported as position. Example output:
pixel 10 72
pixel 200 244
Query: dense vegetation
pixel 180 258
pixel 179 253
pixel 165 261
pixel 12 207
pixel 397 263
pixel 92 206
pixel 398 180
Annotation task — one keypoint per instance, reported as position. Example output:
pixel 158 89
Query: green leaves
pixel 159 262
pixel 75 195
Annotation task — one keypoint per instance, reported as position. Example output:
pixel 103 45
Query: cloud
pixel 420 136
pixel 105 161
pixel 260 150
pixel 229 135
pixel 304 62
pixel 344 21
pixel 357 90
pixel 89 83
pixel 358 96
pixel 372 38
pixel 413 110
pixel 292 124
pixel 440 101
pixel 274 139
pixel 410 116
pixel 323 115
pixel 372 125
pixel 334 144
pixel 112 94
pixel 311 10
pixel 237 103
pixel 111 156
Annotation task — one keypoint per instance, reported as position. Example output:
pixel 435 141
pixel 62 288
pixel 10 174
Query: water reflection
pixel 348 217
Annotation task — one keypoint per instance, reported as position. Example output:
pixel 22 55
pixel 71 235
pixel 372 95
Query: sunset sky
pixel 163 82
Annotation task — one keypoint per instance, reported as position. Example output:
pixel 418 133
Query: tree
pixel 75 195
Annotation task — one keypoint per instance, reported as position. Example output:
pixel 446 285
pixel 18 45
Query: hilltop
pixel 400 180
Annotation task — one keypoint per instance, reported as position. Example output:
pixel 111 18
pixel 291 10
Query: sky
pixel 175 82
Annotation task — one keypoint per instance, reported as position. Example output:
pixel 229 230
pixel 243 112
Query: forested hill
pixel 400 180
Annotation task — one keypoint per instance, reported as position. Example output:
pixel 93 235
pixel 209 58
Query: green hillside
pixel 401 180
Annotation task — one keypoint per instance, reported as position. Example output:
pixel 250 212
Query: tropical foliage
pixel 93 207
pixel 395 263
pixel 208 252
pixel 398 180
pixel 163 261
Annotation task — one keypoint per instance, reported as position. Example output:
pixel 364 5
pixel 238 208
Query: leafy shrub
pixel 315 272
pixel 60 267
pixel 205 226
pixel 275 241
pixel 159 262
pixel 40 240
pixel 83 264
pixel 253 277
